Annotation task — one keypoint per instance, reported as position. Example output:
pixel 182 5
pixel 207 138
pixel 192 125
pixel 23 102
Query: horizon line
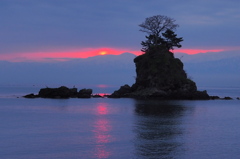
pixel 85 53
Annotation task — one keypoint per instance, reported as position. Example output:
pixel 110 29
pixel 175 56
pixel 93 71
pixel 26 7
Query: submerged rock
pixel 227 98
pixel 31 96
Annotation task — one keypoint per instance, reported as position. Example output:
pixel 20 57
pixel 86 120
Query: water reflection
pixel 157 127
pixel 102 109
pixel 101 130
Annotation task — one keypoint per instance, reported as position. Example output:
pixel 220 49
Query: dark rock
pixel 214 97
pixel 149 93
pixel 73 92
pixel 61 92
pixel 30 96
pixel 106 95
pixel 97 96
pixel 197 95
pixel 160 75
pixel 84 93
pixel 227 98
pixel 122 92
pixel 238 98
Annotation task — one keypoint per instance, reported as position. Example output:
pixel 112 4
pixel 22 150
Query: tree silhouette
pixel 160 33
pixel 171 40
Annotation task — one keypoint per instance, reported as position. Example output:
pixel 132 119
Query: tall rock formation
pixel 160 75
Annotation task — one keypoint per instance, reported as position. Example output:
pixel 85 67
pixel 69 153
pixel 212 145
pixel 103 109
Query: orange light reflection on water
pixel 102 127
pixel 102 110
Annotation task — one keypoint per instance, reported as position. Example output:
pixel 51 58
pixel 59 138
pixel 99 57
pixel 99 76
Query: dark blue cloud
pixel 30 25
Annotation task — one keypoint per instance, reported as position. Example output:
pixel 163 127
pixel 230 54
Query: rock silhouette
pixel 61 92
pixel 160 75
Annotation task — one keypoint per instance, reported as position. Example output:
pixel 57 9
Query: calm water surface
pixel 118 128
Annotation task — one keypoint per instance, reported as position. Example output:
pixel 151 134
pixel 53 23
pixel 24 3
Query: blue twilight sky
pixel 44 28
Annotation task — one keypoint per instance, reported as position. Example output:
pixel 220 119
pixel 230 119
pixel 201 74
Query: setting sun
pixel 103 53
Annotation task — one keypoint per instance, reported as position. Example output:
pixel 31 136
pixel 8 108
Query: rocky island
pixel 61 92
pixel 159 74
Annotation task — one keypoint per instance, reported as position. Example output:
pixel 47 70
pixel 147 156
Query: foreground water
pixel 118 128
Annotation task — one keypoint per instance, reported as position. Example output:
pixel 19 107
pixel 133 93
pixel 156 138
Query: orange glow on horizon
pixel 103 53
pixel 85 53
pixel 64 55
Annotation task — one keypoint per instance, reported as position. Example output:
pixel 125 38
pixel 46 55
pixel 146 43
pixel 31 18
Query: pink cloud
pixel 84 53
pixel 64 55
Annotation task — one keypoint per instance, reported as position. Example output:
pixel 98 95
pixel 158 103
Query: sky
pixel 36 30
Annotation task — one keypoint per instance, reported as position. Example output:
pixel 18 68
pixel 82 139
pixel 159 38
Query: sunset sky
pixel 34 30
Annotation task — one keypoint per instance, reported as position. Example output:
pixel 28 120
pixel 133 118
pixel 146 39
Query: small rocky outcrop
pixel 97 96
pixel 227 98
pixel 124 91
pixel 61 92
pixel 84 93
pixel 160 75
pixel 31 95
pixel 214 97
pixel 224 98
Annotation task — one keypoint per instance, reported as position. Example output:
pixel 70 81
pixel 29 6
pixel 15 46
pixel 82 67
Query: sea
pixel 99 128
